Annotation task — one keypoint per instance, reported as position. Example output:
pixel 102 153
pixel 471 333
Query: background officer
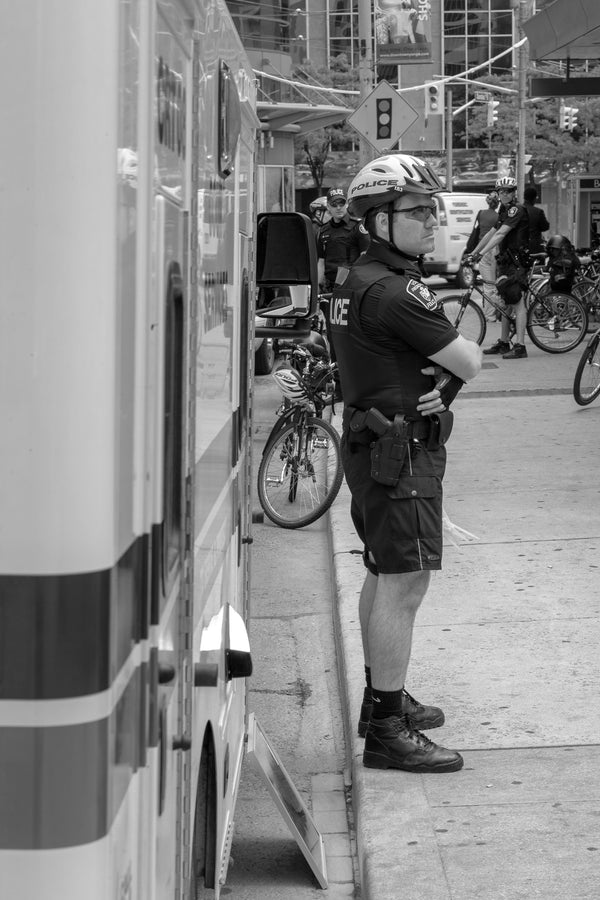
pixel 340 241
pixel 511 237
pixel 538 222
pixel 485 221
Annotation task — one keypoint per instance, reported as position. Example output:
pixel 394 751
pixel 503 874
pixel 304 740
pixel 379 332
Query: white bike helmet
pixel 318 210
pixel 384 179
pixel 507 182
pixel 290 384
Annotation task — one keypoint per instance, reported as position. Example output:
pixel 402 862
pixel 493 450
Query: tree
pixel 553 151
pixel 315 149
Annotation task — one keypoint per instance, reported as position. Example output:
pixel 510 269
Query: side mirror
pixel 286 274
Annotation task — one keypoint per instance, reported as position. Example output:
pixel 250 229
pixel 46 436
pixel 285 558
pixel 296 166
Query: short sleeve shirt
pixel 385 325
pixel 340 244
pixel 515 216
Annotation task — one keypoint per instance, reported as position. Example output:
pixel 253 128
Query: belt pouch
pixel 441 429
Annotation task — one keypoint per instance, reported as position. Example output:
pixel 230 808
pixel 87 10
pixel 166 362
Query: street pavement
pixel 507 643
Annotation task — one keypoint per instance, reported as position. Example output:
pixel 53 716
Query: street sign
pixel 383 117
pixel 483 95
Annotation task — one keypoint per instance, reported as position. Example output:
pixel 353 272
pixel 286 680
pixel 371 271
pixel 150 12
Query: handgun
pixel 376 421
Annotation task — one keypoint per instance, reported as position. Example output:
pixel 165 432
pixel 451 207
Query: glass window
pixel 475 31
pixel 341 46
pixel 173 427
pixel 275 189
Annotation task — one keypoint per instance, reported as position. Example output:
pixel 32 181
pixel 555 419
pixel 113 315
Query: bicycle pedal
pixel 321 443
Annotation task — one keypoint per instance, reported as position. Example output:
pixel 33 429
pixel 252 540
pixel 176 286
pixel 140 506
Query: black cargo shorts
pixel 400 527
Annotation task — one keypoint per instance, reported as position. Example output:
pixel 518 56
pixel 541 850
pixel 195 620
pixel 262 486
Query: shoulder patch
pixel 513 210
pixel 421 293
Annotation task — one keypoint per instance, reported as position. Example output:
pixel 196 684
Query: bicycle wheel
pixel 586 386
pixel 586 290
pixel 466 316
pixel 556 322
pixel 300 473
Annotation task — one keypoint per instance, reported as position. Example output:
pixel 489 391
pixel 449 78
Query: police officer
pixel 485 221
pixel 511 237
pixel 319 214
pixel 537 220
pixel 340 240
pixel 393 341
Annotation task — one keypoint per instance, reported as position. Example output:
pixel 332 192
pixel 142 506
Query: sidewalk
pixel 507 643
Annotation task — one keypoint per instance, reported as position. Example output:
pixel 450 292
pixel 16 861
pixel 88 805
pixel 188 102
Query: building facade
pixel 275 35
pixel 417 41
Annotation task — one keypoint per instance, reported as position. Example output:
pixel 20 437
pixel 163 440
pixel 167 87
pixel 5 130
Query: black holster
pixel 389 451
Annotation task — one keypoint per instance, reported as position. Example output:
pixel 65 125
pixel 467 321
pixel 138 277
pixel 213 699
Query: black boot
pixel 392 744
pixel 499 347
pixel 420 716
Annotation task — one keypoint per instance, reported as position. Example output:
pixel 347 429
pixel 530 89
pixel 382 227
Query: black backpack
pixel 563 264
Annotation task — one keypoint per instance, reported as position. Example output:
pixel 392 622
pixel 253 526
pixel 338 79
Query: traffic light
pixel 433 100
pixel 492 112
pixel 383 112
pixel 562 115
pixel 571 117
pixel 567 116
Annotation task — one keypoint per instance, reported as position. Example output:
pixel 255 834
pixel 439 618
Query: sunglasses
pixel 421 213
pixel 337 202
pixel 506 190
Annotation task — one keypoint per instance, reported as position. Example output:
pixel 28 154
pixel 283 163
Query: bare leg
pixel 520 321
pixel 390 625
pixel 365 606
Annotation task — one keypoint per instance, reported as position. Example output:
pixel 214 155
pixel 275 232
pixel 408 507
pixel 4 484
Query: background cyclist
pixel 511 237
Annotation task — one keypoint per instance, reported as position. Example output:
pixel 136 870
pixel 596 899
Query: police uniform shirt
pixel 515 216
pixel 339 244
pixel 386 324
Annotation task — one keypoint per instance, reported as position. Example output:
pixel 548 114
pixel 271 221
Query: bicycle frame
pixel 294 416
pixel 549 314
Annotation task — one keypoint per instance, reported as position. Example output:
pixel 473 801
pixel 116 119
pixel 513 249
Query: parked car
pixel 455 220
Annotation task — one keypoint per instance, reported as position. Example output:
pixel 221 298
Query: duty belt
pixel 360 433
pixel 433 430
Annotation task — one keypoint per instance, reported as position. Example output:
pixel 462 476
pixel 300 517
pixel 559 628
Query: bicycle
pixel 586 286
pixel 586 385
pixel 556 322
pixel 300 472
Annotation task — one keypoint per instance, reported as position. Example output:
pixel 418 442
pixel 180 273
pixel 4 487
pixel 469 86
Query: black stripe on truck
pixel 56 631
pixel 63 786
pixel 64 637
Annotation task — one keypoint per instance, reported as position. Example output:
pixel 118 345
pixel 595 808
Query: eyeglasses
pixel 337 202
pixel 421 213
pixel 506 190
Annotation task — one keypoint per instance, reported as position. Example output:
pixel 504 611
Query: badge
pixel 421 293
pixel 513 211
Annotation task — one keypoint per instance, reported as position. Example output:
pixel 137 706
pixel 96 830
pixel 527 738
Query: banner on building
pixel 403 31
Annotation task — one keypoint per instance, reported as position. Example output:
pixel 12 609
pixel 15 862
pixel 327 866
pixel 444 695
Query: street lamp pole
pixel 365 66
pixel 449 148
pixel 524 9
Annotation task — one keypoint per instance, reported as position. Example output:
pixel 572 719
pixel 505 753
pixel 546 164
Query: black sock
pixel 386 703
pixel 367 691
